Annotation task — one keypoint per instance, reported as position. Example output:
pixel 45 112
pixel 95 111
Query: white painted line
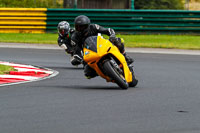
pixel 133 50
pixel 26 69
pixel 30 46
pixel 163 51
pixel 19 77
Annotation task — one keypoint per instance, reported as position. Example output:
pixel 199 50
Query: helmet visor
pixel 63 32
pixel 81 28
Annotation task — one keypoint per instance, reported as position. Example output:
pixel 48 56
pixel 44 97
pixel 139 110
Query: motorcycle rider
pixel 64 41
pixel 84 29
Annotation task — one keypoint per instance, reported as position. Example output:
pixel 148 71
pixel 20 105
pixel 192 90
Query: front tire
pixel 134 80
pixel 115 75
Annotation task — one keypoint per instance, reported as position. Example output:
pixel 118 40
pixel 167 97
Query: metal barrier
pixel 132 21
pixel 23 20
pixel 41 20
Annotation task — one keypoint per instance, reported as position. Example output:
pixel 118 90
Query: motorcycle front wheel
pixel 115 75
pixel 134 80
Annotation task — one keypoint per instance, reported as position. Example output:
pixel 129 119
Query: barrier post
pixel 132 5
pixel 75 3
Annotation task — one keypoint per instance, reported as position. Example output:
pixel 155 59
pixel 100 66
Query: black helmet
pixel 82 23
pixel 63 28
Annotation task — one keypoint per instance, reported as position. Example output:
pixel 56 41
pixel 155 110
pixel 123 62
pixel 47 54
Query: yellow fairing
pixel 105 47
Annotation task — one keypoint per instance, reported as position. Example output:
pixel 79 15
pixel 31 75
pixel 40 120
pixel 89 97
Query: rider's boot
pixel 89 72
pixel 76 60
pixel 129 60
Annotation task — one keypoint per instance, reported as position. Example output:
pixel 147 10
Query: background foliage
pixel 139 4
pixel 159 4
pixel 31 3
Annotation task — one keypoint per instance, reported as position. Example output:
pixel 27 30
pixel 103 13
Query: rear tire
pixel 115 75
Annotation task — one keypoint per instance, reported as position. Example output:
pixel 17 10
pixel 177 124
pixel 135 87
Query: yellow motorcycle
pixel 106 59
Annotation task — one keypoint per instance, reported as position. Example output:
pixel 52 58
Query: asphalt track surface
pixel 166 100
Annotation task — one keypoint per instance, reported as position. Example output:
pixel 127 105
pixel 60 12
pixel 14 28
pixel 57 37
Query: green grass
pixel 4 69
pixel 144 41
pixel 29 38
pixel 162 41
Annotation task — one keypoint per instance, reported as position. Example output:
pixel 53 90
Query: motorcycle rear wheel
pixel 114 75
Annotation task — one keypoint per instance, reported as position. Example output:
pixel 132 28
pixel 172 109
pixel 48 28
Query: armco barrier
pixel 132 21
pixel 22 20
pixel 40 20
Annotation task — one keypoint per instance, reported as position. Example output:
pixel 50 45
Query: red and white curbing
pixel 24 73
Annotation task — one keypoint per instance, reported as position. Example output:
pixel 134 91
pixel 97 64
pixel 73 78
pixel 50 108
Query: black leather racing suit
pixel 66 40
pixel 78 39
pixel 93 30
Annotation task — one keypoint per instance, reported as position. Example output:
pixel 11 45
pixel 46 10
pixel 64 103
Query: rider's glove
pixel 112 38
pixel 60 41
pixel 68 49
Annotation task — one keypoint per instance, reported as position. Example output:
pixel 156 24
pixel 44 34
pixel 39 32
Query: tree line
pixel 139 4
pixel 31 3
pixel 159 4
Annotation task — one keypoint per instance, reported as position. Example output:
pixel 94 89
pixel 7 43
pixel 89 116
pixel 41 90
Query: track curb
pixel 25 73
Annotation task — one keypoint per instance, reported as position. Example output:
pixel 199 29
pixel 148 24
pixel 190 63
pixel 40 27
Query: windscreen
pixel 91 43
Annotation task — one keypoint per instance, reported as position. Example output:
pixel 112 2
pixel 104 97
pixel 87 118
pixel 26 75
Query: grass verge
pixel 162 41
pixel 142 41
pixel 4 69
